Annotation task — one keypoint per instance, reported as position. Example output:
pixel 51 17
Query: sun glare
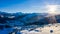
pixel 52 9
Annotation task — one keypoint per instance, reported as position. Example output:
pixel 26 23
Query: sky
pixel 28 6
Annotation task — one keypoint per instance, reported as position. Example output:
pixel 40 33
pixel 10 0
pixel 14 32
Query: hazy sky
pixel 27 6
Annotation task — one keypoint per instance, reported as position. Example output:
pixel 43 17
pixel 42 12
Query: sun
pixel 52 9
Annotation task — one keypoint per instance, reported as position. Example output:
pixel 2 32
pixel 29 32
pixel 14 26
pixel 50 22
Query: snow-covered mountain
pixel 25 20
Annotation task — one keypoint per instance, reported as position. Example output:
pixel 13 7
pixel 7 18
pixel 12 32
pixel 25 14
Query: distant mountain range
pixel 25 19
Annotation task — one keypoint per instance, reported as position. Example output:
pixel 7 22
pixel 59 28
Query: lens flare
pixel 52 11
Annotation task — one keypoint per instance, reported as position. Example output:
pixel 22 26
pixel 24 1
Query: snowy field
pixel 47 29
